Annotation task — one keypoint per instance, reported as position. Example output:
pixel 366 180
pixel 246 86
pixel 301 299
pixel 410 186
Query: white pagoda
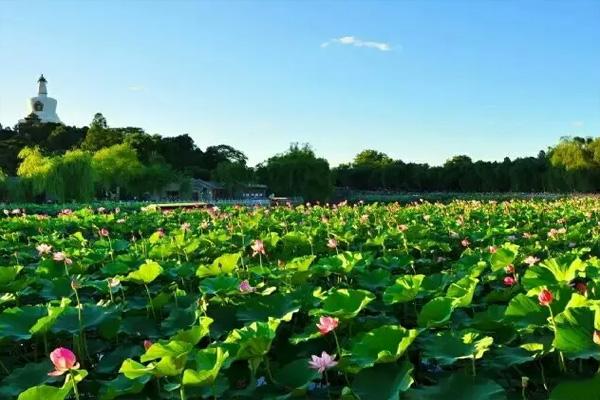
pixel 42 105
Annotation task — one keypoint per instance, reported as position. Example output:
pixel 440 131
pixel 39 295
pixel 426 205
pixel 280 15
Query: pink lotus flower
pixel 43 248
pixel 185 227
pixel 402 228
pixel 465 242
pixel 327 324
pixel 530 260
pixel 509 269
pixel 322 363
pixel 332 243
pixel 64 360
pixel 545 297
pixel 492 249
pixel 104 232
pixel 147 344
pixel 204 225
pixel 364 218
pixel 59 256
pixel 245 287
pixel 258 247
pixel 509 281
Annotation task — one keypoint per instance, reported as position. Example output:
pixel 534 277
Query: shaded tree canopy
pixel 297 172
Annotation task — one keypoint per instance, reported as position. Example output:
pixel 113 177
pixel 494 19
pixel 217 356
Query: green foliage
pixel 413 314
pixel 297 172
pixel 116 166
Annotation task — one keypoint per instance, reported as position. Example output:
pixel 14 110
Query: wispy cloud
pixel 136 88
pixel 356 42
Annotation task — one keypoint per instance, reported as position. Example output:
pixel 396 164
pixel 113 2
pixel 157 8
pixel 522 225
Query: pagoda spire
pixel 42 90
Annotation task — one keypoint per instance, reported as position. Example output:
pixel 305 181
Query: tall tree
pixel 297 172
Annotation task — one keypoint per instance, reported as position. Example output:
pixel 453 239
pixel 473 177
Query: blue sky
pixel 419 80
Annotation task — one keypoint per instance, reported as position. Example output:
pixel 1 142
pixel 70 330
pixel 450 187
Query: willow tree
pixel 66 177
pixel 75 169
pixel 35 170
pixel 116 167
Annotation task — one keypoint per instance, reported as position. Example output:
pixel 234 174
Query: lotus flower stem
pixel 150 301
pixel 339 350
pixel 327 384
pixel 74 385
pixel 561 357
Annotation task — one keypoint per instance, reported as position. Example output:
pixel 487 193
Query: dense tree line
pixel 572 165
pixel 99 161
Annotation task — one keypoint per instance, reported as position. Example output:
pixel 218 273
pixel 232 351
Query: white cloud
pixel 136 88
pixel 354 41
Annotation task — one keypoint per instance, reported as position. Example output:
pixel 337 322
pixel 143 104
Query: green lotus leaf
pixel 16 323
pixel 44 324
pixel 208 363
pixel 22 378
pixel 462 291
pixel 300 263
pixel 406 288
pixel 504 256
pixel 574 332
pixel 344 303
pixel 254 340
pixel 523 311
pixel 195 333
pixel 382 345
pixel 45 392
pixel 146 273
pixel 374 279
pixel 383 381
pixel 436 312
pixel 173 348
pixel 459 386
pixel 296 375
pixel 122 385
pixel 8 274
pixel 111 361
pixel 133 369
pixel 552 272
pixel 219 284
pixel 503 357
pixel 224 264
pixel 448 347
pixel 588 389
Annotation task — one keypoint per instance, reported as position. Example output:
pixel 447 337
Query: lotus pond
pixel 465 300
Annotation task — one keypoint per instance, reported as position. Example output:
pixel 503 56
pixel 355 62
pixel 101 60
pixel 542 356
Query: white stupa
pixel 42 105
